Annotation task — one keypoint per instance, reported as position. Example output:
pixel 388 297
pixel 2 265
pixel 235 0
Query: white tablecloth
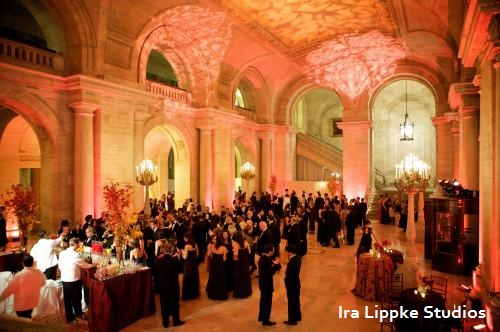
pixel 51 298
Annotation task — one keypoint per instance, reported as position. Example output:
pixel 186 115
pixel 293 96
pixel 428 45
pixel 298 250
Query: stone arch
pixel 247 154
pixel 388 107
pixel 55 156
pixel 286 111
pixel 257 89
pixel 198 35
pixel 51 30
pixel 179 139
pixel 418 70
pixel 79 35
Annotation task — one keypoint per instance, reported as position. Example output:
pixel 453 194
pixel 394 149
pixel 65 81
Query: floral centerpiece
pixel 272 184
pixel 117 200
pixel 19 202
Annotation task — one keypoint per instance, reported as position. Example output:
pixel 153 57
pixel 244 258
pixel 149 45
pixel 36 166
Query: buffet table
pixel 120 301
pixel 374 276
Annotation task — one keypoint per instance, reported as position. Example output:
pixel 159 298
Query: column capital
pixel 82 107
pixel 140 116
pixel 265 135
pixel 205 128
pixel 440 120
pixel 355 125
pixel 463 94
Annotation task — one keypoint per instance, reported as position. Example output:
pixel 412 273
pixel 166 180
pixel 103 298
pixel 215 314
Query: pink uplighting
pixel 347 64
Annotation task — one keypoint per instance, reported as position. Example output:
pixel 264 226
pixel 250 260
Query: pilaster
pixel 357 163
pixel 83 159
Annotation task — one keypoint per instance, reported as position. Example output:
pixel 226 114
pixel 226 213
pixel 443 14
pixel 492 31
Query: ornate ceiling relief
pixel 195 34
pixel 298 23
pixel 347 64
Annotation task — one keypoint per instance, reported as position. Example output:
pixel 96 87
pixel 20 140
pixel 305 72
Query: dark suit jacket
pixel 266 272
pixel 292 279
pixel 276 233
pixel 167 267
pixel 294 235
pixel 265 238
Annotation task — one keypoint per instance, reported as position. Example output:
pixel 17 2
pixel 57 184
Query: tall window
pixel 238 99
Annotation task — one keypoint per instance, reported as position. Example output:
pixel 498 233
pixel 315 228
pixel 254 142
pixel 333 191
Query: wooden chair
pixel 386 304
pixel 440 285
pixel 396 288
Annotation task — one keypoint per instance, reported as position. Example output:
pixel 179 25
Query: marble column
pixel 357 159
pixel 83 159
pixel 206 176
pixel 265 160
pixel 222 194
pixel 411 231
pixel 139 119
pixel 469 147
pixel 444 148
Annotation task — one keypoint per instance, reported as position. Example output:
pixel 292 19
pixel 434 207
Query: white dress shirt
pixel 25 286
pixel 44 253
pixel 69 264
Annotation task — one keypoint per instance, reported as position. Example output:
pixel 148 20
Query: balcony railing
pixel 322 147
pixel 21 53
pixel 170 93
pixel 246 113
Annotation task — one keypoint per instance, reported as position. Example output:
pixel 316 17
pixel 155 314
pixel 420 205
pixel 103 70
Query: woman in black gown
pixel 229 263
pixel 191 278
pixel 216 285
pixel 242 284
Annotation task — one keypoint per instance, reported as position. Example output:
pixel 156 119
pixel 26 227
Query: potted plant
pixel 117 200
pixel 20 204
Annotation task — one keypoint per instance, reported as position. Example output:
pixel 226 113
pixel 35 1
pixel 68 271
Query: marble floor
pixel 327 277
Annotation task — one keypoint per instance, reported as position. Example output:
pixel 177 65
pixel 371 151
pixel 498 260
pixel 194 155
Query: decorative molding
pixel 355 125
pixel 463 95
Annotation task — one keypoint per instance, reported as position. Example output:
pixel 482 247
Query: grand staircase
pixel 322 153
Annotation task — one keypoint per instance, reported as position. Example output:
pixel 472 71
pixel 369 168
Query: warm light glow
pixel 146 173
pixel 298 23
pixel 352 62
pixel 412 174
pixel 247 171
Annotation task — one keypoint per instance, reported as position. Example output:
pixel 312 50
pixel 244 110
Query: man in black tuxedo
pixel 294 235
pixel 167 267
pixel 363 207
pixel 276 235
pixel 265 238
pixel 267 268
pixel 292 284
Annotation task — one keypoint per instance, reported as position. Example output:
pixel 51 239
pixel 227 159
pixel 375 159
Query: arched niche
pixel 159 142
pixel 390 103
pixel 254 90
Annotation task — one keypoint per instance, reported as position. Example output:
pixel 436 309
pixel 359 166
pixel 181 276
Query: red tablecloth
pixel 373 277
pixel 118 302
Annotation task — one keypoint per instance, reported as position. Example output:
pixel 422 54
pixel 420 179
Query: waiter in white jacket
pixel 45 254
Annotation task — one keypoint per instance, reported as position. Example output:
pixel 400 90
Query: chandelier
pixel 412 174
pixel 406 128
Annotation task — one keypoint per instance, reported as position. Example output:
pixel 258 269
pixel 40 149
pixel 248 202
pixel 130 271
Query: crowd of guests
pixel 176 241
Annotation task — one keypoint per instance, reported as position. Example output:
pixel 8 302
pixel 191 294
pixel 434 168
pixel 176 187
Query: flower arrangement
pixel 117 200
pixel 272 184
pixel 19 202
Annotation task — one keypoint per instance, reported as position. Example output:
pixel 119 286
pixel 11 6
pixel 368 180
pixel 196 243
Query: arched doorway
pixel 167 148
pixel 388 112
pixel 316 115
pixel 20 161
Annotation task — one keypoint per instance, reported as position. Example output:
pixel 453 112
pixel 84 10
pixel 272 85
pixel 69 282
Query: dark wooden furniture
pixel 454 231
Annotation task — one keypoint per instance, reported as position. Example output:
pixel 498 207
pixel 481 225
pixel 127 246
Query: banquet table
pixel 118 302
pixel 374 276
pixel 411 301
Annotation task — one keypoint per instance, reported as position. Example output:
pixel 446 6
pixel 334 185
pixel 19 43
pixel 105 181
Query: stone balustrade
pixel 319 146
pixel 172 94
pixel 246 113
pixel 12 51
